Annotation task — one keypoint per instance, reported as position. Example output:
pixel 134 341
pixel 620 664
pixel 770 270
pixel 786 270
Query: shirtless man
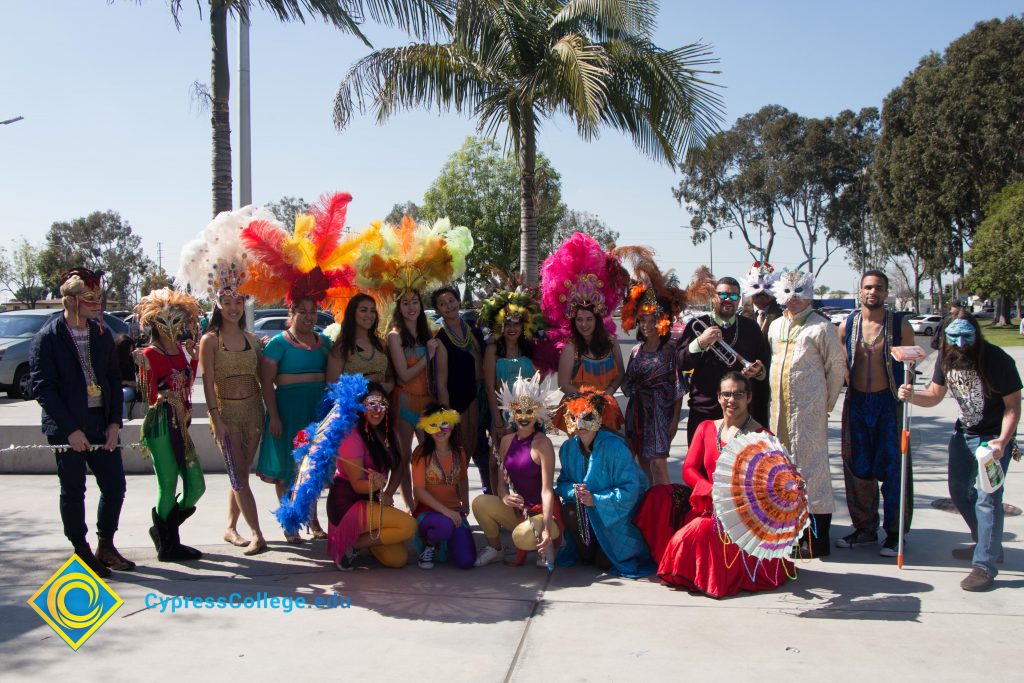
pixel 872 416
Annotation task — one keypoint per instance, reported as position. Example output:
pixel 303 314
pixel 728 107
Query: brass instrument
pixel 723 351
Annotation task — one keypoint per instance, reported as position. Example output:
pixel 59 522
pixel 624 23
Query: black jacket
pixel 58 382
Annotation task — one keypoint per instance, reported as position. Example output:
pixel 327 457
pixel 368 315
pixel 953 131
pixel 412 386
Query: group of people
pixel 475 396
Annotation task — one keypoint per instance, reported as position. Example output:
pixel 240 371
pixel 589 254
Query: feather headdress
pixel 529 396
pixel 313 262
pixel 580 274
pixel 588 400
pixel 653 293
pixel 170 311
pixel 215 262
pixel 794 284
pixel 519 304
pixel 412 257
pixel 760 279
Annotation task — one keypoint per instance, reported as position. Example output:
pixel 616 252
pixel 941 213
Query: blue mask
pixel 960 333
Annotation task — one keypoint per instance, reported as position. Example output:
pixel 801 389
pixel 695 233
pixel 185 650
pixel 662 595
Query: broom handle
pixel 908 373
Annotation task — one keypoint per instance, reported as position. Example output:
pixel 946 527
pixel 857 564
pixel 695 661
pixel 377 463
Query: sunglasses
pixel 728 296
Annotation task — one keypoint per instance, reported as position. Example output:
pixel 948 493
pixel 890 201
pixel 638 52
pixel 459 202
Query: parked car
pixel 839 315
pixel 925 324
pixel 323 319
pixel 16 331
pixel 268 327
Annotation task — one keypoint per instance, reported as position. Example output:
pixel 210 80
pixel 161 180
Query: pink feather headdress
pixel 580 274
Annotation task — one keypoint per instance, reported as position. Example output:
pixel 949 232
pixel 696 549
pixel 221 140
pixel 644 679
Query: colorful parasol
pixel 759 496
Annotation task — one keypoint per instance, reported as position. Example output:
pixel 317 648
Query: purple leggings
pixel 436 529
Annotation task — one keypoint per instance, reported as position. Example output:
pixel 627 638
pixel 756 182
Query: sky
pixel 110 124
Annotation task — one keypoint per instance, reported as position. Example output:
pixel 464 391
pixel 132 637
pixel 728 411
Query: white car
pixel 925 324
pixel 840 316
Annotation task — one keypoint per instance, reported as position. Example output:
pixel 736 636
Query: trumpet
pixel 723 351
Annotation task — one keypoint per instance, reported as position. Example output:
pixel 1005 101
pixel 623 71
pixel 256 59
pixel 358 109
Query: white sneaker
pixel 487 556
pixel 427 558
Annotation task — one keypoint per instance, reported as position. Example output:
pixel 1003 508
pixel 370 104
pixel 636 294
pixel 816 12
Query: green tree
pixel 821 290
pixel 421 17
pixel 951 139
pixel 20 274
pixel 582 221
pixel 512 64
pixel 479 187
pixel 100 241
pixel 998 249
pixel 286 209
pixel 398 211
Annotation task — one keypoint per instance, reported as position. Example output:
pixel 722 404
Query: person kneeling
pixel 359 506
pixel 441 488
pixel 526 460
pixel 600 485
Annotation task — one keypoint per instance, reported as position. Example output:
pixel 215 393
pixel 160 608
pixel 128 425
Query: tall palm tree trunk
pixel 528 256
pixel 220 84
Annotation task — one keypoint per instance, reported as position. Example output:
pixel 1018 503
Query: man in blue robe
pixel 600 485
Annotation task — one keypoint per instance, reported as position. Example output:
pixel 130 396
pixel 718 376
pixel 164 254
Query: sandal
pixel 294 539
pixel 233 537
pixel 317 533
pixel 255 547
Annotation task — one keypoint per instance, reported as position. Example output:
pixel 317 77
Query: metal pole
pixel 244 118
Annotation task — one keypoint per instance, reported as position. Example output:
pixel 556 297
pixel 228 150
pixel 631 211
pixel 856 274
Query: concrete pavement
pixel 849 617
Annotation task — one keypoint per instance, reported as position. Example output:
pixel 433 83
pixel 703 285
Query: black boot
pixel 165 536
pixel 84 553
pixel 174 520
pixel 108 555
pixel 815 540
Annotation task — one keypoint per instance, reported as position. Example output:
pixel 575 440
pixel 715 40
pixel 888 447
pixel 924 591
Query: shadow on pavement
pixel 860 596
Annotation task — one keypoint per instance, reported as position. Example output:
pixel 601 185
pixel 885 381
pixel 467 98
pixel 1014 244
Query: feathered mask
pixel 580 274
pixel 518 305
pixel 528 399
pixel 169 312
pixel 794 284
pixel 760 279
pixel 441 421
pixel 81 282
pixel 215 263
pixel 653 293
pixel 412 257
pixel 312 263
pixel 589 409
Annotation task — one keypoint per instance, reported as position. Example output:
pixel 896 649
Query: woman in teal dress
pixel 293 377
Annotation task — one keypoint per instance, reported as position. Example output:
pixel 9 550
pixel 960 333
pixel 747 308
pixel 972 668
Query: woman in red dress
pixel 698 558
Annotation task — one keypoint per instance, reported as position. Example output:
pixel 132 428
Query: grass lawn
pixel 1002 336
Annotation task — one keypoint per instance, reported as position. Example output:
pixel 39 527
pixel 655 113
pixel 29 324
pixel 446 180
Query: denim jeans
pixel 982 511
pixel 131 395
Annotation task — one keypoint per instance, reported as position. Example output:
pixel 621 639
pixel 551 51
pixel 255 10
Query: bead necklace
pixel 449 478
pixel 869 347
pixel 582 519
pixel 463 342
pixel 743 428
pixel 92 388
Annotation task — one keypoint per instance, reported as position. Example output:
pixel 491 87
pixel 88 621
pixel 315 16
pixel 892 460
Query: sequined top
pixel 376 368
pixel 235 372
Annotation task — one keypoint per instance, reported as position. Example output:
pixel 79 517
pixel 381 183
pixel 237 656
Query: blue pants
pixel 871 454
pixel 436 529
pixel 982 511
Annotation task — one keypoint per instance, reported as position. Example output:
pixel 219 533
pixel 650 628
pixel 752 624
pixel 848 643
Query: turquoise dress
pixel 297 404
pixel 507 370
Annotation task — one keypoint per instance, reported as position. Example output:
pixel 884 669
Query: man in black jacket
pixel 77 381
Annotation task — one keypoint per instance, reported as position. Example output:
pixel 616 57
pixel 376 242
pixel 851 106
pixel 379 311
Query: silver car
pixel 16 331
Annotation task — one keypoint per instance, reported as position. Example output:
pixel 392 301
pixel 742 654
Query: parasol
pixel 759 496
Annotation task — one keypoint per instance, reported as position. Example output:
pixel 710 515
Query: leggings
pixel 436 529
pixel 167 469
pixel 493 515
pixel 396 529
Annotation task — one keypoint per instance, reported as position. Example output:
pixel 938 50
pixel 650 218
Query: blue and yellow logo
pixel 75 602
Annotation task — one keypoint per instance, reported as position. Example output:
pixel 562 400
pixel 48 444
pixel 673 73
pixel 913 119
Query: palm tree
pixel 420 17
pixel 513 63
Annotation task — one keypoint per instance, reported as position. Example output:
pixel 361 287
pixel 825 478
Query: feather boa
pixel 316 450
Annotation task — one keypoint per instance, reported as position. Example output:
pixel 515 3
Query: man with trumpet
pixel 713 344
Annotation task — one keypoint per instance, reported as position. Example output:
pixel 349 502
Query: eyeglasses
pixel 728 296
pixel 732 394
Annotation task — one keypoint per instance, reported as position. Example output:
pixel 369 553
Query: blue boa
pixel 316 458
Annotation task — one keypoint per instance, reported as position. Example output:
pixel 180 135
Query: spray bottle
pixel 990 472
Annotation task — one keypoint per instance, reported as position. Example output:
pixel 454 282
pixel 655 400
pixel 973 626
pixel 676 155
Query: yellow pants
pixel 493 515
pixel 396 528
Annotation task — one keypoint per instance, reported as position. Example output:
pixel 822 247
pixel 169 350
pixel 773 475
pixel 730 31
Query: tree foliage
pixel 100 241
pixel 512 64
pixel 479 187
pixel 398 211
pixel 998 249
pixel 286 209
pixel 582 221
pixel 19 272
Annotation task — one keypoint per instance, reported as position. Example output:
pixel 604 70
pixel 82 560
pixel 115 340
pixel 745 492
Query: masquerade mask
pixel 590 421
pixel 90 297
pixel 960 333
pixel 760 279
pixel 170 321
pixel 794 284
pixel 443 421
pixel 375 403
pixel 524 410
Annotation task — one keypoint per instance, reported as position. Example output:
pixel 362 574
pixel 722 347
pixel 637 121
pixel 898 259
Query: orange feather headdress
pixel 588 400
pixel 658 294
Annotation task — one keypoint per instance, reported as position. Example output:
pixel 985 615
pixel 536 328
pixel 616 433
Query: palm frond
pixel 573 78
pixel 606 19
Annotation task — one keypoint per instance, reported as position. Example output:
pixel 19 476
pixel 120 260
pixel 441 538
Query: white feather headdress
pixel 529 395
pixel 760 279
